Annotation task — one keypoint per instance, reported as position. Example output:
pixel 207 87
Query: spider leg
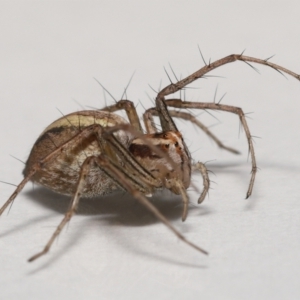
pixel 172 88
pixel 17 191
pixel 129 107
pixel 148 119
pixel 85 167
pixel 178 103
pixel 193 119
pixel 165 118
pixel 206 182
pixel 122 179
pixel 185 200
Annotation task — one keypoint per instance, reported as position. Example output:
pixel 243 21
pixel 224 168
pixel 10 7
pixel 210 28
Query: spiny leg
pixel 172 88
pixel 149 122
pixel 178 103
pixel 129 107
pixel 123 181
pixel 73 208
pixel 193 119
pixel 166 120
pixel 17 190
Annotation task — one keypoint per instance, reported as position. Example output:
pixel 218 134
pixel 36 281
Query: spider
pixel 95 152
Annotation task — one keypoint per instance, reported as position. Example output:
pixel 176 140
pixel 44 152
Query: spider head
pixel 172 144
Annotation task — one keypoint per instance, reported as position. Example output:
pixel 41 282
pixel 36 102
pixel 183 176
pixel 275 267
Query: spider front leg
pixel 167 121
pixel 173 88
pixel 165 118
pixel 178 103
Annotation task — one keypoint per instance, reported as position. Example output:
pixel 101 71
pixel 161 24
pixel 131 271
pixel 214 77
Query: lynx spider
pixel 94 152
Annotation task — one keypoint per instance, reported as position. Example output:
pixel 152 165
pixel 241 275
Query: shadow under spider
pixel 116 208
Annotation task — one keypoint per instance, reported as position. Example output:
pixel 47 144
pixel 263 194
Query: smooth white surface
pixel 114 249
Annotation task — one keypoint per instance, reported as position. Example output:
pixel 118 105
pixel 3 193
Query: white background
pixel 114 249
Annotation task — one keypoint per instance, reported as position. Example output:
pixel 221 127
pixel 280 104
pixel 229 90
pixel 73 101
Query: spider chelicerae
pixel 94 152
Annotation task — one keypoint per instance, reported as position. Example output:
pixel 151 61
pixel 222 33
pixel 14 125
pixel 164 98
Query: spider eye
pixel 176 144
pixel 167 145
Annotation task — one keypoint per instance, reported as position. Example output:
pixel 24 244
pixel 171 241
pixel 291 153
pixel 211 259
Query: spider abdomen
pixel 62 173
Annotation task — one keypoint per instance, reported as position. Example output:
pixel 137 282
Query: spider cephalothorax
pixel 171 143
pixel 94 152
